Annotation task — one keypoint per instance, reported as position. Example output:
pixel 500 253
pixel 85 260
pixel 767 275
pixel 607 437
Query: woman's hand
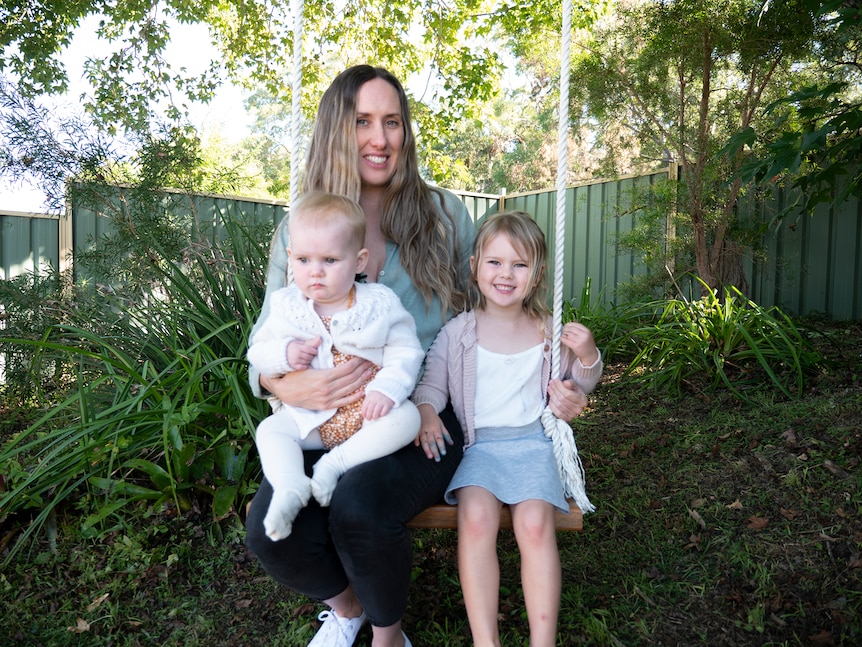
pixel 566 399
pixel 319 389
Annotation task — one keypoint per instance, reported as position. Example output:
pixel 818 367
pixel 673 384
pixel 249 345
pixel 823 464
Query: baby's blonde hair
pixel 319 208
pixel 525 235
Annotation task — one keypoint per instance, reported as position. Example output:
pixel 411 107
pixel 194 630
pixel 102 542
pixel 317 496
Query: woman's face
pixel 379 132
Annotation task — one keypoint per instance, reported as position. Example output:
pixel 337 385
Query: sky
pixel 190 47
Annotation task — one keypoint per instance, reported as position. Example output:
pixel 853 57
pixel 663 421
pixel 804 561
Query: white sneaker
pixel 335 631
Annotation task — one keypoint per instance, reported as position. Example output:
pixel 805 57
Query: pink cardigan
pixel 450 372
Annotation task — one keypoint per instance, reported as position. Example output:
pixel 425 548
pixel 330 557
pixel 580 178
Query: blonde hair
pixel 423 229
pixel 320 208
pixel 525 236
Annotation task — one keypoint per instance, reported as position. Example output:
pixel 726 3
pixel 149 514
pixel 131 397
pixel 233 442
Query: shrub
pixel 731 342
pixel 159 407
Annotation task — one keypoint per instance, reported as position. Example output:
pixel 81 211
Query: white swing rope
pixel 296 106
pixel 560 432
pixel 297 7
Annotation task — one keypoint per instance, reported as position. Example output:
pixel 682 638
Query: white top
pixel 508 388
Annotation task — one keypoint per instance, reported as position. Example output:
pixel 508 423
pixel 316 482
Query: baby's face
pixel 325 262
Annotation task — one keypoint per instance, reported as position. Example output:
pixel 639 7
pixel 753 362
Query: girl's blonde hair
pixel 319 208
pixel 423 229
pixel 525 236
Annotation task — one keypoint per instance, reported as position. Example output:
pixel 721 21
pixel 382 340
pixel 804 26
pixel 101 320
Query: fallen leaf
pixel 97 602
pixel 834 469
pixel 790 515
pixel 243 604
pixel 736 505
pixel 789 437
pixel 694 515
pixel 756 523
pixel 82 627
pixel 823 638
pixel 764 463
pixel 855 561
pixel 303 610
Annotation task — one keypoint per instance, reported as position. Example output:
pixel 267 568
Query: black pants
pixel 361 538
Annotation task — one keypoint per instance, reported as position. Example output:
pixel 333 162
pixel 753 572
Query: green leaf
pixel 104 512
pixel 158 475
pixel 223 500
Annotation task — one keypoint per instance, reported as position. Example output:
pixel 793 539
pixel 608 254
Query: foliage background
pixel 126 452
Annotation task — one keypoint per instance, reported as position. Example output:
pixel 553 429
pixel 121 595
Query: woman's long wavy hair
pixel 424 233
pixel 526 237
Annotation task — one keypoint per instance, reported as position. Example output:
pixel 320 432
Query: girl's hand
pixel 376 405
pixel 318 389
pixel 579 338
pixel 566 399
pixel 432 436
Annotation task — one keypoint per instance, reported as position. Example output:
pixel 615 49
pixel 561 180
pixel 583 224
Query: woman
pixel 356 555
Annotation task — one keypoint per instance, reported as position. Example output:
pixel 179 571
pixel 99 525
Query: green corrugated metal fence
pixel 813 263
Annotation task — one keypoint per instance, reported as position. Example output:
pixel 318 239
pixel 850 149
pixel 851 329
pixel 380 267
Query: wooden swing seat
pixel 442 515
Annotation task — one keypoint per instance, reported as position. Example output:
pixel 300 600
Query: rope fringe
pixel 568 461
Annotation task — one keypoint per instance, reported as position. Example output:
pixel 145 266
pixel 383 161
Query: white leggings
pixel 280 446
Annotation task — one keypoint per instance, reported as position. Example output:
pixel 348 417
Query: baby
pixel 322 319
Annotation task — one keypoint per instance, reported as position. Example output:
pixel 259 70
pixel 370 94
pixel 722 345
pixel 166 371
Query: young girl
pixel 493 362
pixel 320 320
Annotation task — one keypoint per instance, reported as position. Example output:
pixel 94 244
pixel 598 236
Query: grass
pixel 719 522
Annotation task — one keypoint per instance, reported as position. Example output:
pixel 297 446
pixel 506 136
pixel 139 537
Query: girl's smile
pixel 503 273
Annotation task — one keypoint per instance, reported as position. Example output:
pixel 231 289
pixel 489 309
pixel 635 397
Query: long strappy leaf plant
pixel 730 342
pixel 159 410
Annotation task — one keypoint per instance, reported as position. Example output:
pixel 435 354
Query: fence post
pixel 65 240
pixel 670 218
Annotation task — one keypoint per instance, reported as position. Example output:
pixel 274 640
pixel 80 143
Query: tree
pixel 255 40
pixel 513 141
pixel 815 138
pixel 682 76
pixel 456 47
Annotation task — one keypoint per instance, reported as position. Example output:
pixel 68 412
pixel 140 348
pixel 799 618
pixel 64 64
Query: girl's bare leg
pixel 541 576
pixel 478 568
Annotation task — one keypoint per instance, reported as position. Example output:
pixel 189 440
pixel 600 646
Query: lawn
pixel 719 522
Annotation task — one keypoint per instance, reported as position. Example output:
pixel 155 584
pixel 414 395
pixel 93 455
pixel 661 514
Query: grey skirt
pixel 515 464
